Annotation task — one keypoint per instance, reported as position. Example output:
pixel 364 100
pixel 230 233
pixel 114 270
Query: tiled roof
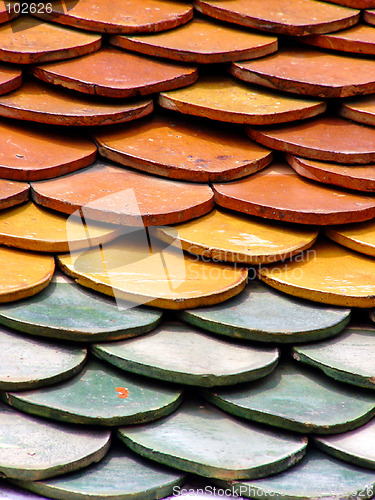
pixel 187 244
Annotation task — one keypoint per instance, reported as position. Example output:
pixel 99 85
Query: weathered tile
pixel 293 398
pixel 201 41
pixel 201 439
pixel 359 39
pixel 316 477
pixel 348 276
pixel 356 446
pixel 169 279
pixel 358 177
pixel 347 358
pixel 116 195
pixel 360 110
pixel 183 149
pixel 327 138
pixel 30 363
pixel 263 314
pixel 100 395
pixel 120 474
pixel 229 236
pixel 34 449
pixel 225 99
pixel 119 16
pixel 23 273
pixel 31 227
pixel 181 354
pixel 67 311
pixel 36 153
pixel 312 72
pixel 12 193
pixel 114 73
pixel 38 102
pixel 288 17
pixel 277 192
pixel 27 41
pixel 358 237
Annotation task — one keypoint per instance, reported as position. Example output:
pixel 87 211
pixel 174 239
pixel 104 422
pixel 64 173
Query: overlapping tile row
pixel 187 252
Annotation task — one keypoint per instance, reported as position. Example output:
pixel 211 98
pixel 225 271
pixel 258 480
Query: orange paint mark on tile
pixel 123 392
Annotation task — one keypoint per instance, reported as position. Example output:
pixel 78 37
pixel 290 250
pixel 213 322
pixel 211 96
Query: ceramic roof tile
pixel 170 279
pixel 226 99
pixel 353 447
pixel 32 363
pixel 214 444
pixel 31 153
pixel 116 195
pixel 10 78
pixel 369 16
pixel 56 448
pixel 39 102
pixel 31 227
pixel 348 358
pixel 183 149
pixel 316 476
pixel 263 314
pixel 358 237
pixel 26 40
pixel 114 73
pixel 291 398
pixel 229 236
pixel 120 472
pixel 330 275
pixel 313 72
pixel 327 138
pixel 182 354
pixel 359 39
pixel 13 193
pixel 68 311
pixel 288 17
pixel 360 110
pixel 358 177
pixel 23 273
pixel 96 395
pixel 277 192
pixel 119 16
pixel 201 41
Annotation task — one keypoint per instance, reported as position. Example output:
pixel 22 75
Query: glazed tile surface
pixel 114 73
pixel 43 103
pixel 279 193
pixel 286 17
pixel 228 100
pixel 201 41
pixel 115 195
pixel 28 41
pixel 179 149
pixel 118 16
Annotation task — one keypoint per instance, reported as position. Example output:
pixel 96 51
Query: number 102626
pixel 29 8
